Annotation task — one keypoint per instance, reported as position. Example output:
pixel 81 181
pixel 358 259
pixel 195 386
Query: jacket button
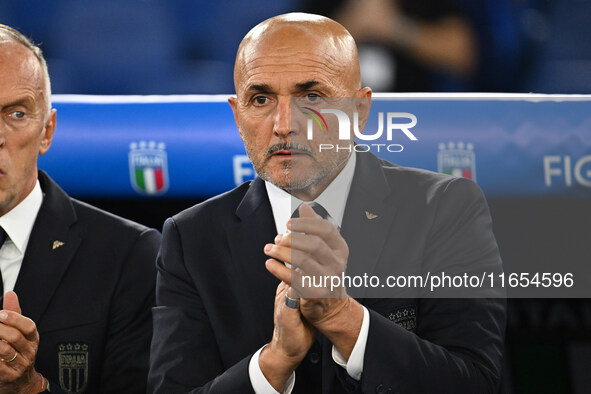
pixel 314 358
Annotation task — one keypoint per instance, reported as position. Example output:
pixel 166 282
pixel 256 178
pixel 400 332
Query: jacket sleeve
pixel 458 343
pixel 184 353
pixel 126 362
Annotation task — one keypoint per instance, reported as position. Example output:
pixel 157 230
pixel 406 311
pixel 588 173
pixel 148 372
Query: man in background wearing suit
pixel 224 324
pixel 84 278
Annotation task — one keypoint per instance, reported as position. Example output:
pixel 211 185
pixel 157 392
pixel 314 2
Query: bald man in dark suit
pixel 232 314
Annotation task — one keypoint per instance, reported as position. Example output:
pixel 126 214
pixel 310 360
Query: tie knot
pixel 319 209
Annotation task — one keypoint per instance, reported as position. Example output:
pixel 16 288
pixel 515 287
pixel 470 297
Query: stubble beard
pixel 304 179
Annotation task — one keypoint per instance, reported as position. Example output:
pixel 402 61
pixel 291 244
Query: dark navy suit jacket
pixel 215 297
pixel 87 281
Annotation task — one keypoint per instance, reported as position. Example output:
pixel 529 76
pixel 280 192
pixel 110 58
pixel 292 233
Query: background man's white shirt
pixel 18 224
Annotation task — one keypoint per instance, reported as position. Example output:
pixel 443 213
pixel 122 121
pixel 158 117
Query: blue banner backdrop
pixel 188 146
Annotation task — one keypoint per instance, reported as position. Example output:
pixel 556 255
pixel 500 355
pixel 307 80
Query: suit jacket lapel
pixel 256 227
pixel 51 247
pixel 368 216
pixel 369 213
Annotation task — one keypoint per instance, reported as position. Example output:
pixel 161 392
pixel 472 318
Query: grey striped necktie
pixel 320 211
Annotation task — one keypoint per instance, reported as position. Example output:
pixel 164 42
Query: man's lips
pixel 290 152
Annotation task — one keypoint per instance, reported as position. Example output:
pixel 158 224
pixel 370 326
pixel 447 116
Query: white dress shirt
pixel 283 204
pixel 18 224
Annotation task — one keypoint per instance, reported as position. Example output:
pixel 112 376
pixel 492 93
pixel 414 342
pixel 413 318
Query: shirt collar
pixel 333 198
pixel 18 222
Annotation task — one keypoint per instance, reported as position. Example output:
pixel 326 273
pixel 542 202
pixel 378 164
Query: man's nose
pixel 282 124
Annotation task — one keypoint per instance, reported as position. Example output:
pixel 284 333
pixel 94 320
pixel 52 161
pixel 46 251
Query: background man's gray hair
pixel 8 34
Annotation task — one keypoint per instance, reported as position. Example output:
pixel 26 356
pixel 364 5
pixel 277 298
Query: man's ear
pixel 48 132
pixel 363 103
pixel 233 101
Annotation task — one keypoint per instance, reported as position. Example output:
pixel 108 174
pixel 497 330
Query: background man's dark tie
pixel 3 237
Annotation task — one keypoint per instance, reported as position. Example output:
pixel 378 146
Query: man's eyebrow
pixel 263 88
pixel 24 101
pixel 300 87
pixel 303 86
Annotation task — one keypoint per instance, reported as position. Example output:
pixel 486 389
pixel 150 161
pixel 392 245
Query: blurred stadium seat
pixel 135 47
pixel 140 46
pixel 564 62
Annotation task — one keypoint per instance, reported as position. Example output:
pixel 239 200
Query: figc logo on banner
pixel 148 167
pixel 457 160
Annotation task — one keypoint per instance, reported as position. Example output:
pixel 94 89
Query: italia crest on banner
pixel 457 160
pixel 148 167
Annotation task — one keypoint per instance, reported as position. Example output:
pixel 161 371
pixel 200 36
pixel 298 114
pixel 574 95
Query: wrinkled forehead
pixel 22 76
pixel 330 39
pixel 19 66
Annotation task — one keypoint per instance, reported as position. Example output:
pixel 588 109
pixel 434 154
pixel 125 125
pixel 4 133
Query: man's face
pixel 26 125
pixel 277 77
